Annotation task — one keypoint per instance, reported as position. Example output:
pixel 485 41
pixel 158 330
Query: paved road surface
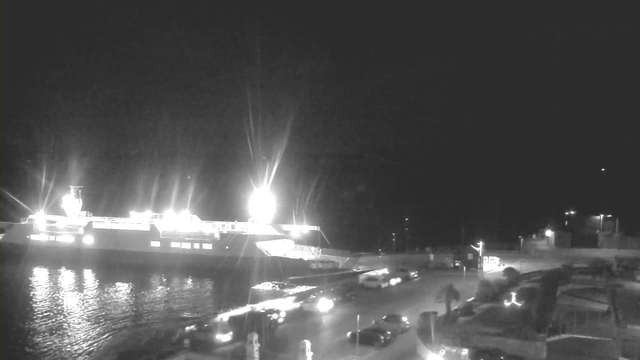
pixel 328 333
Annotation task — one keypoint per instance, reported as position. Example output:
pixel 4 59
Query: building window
pixel 186 245
pixel 175 244
pixel 155 244
pixel 196 246
pixel 207 246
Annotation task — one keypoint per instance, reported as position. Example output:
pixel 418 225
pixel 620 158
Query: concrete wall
pixel 366 262
pixel 611 241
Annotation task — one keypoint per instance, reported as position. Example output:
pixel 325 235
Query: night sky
pixel 496 119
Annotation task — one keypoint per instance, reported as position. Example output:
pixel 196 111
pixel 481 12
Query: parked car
pixel 372 336
pixel 407 274
pixel 394 323
pixel 374 282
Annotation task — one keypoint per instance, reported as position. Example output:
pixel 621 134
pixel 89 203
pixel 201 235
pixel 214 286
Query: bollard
pixel 305 350
pixel 252 346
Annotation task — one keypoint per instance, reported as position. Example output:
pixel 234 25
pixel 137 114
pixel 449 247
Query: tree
pixel 511 275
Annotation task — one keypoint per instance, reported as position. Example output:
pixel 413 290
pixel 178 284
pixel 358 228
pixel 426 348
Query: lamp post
pixel 521 243
pixel 479 250
pixel 394 242
pixel 406 232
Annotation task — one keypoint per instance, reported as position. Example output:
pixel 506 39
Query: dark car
pixel 208 333
pixel 257 320
pixel 372 336
pixel 341 294
pixel 407 274
pixel 394 323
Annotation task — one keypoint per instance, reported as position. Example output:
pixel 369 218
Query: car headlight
pixel 282 314
pixel 404 318
pixel 189 328
pixel 324 305
pixel 224 337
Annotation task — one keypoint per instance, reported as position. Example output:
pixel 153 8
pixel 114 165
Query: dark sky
pixel 493 118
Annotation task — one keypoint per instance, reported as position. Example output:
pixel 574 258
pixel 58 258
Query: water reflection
pixel 90 313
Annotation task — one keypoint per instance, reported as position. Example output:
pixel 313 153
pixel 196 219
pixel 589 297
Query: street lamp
pixel 548 233
pixel 394 242
pixel 568 213
pixel 602 219
pixel 479 250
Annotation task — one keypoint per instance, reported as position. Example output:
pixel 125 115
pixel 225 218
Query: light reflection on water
pixel 89 313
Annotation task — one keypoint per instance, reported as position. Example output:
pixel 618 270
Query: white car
pixel 374 282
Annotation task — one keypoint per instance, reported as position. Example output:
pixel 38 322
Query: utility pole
pixel 394 242
pixel 406 231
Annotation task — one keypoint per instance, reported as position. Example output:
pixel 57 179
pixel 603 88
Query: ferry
pixel 168 238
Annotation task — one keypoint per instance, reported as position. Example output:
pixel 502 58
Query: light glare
pixel 262 206
pixel 324 305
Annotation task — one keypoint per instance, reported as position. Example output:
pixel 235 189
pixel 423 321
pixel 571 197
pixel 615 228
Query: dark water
pixel 57 311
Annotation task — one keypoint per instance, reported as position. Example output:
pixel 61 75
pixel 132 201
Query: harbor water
pixel 62 310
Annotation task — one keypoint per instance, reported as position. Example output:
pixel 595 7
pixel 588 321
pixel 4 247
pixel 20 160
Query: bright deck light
pixel 262 206
pixel 548 233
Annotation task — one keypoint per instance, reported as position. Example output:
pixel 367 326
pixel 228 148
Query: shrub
pixel 486 291
pixel 466 309
pixel 511 275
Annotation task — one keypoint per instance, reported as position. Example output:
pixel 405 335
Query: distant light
pixel 566 213
pixel 603 169
pixel 65 238
pixel 87 239
pixel 609 216
pixel 262 206
pixel 39 237
pixel 406 219
pixel 572 212
pixel 548 233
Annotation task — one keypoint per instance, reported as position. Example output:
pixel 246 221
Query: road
pixel 327 333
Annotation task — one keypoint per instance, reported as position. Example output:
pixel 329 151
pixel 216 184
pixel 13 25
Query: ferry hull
pixel 130 247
